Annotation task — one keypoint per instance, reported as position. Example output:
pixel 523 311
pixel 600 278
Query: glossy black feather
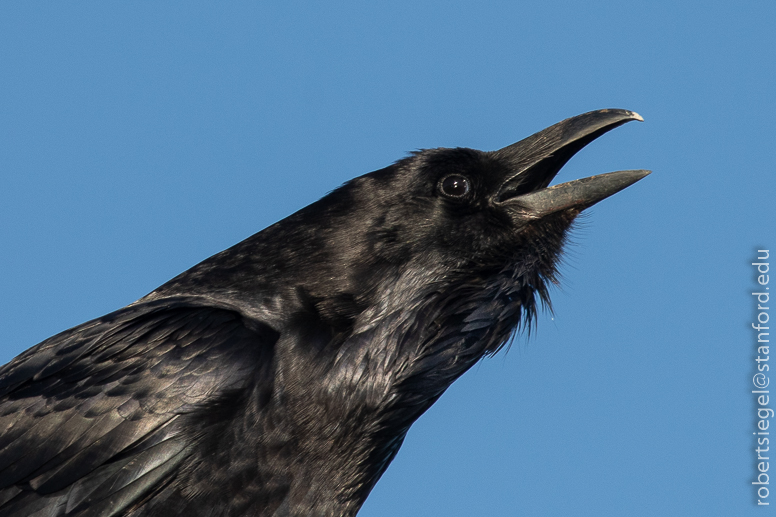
pixel 91 414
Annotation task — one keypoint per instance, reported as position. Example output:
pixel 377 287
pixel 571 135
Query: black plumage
pixel 280 376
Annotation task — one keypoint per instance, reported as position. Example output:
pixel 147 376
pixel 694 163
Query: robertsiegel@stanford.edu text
pixel 761 379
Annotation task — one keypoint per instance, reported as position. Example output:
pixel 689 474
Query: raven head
pixel 459 217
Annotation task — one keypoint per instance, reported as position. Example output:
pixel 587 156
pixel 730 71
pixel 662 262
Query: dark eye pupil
pixel 455 186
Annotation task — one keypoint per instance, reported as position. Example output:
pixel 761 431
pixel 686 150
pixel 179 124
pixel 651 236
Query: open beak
pixel 537 159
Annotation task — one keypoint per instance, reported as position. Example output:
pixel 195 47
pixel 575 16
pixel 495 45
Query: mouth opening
pixel 540 173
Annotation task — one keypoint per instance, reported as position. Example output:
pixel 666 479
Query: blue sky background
pixel 138 138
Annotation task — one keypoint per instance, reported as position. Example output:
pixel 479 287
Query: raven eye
pixel 455 186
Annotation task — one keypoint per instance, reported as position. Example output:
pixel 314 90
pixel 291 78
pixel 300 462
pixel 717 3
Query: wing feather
pixel 90 418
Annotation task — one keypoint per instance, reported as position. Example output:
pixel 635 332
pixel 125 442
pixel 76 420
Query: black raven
pixel 279 377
